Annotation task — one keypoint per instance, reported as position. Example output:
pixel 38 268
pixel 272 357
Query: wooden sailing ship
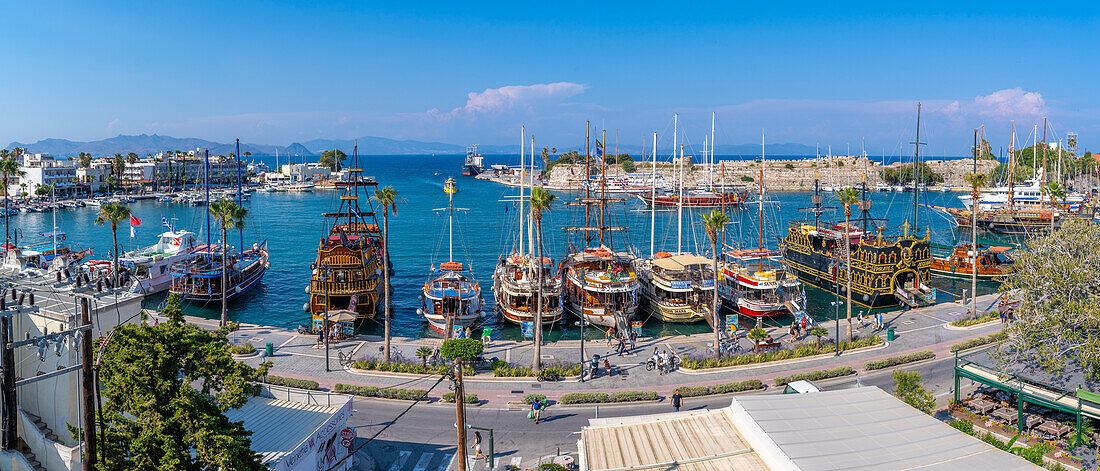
pixel 516 279
pixel 198 279
pixel 347 273
pixel 678 288
pixel 992 262
pixel 451 298
pixel 601 285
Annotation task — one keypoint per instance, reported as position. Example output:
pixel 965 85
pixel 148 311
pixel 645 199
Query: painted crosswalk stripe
pixel 422 463
pixel 400 463
pixel 516 461
pixel 446 463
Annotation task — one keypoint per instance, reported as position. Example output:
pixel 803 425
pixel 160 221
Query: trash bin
pixel 889 334
pixel 269 349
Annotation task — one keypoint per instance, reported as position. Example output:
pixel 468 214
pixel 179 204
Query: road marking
pixel 400 463
pixel 446 463
pixel 516 461
pixel 287 342
pixel 422 463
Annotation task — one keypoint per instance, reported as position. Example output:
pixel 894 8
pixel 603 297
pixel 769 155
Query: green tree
pixel 1056 192
pixel 113 213
pixel 819 332
pixel 85 160
pixel 908 388
pixel 387 198
pixel 714 223
pixel 757 334
pixel 848 197
pixel 166 389
pixel 1056 281
pixel 9 168
pixel 461 349
pixel 42 190
pixel 423 353
pixel 542 201
pixel 173 309
pixel 228 216
pixel 904 174
pixel 333 159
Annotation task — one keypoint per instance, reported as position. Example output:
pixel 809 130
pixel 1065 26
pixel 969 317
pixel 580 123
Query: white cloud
pixel 1010 103
pixel 494 101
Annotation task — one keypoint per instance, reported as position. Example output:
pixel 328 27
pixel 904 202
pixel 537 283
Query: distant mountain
pixel 370 145
pixel 296 150
pixel 141 144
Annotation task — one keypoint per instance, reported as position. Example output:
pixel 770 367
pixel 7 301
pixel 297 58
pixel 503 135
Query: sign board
pixel 681 284
pixel 528 329
pixel 347 433
pixel 636 326
pixel 731 323
pixel 322 448
pixel 708 283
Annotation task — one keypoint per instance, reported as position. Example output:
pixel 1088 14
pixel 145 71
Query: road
pixel 423 438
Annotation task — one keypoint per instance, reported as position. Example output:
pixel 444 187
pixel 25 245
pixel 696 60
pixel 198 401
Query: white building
pixel 305 172
pixel 298 430
pixel 44 169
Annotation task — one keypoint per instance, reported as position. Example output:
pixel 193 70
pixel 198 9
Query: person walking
pixel 675 399
pixel 622 346
pixel 536 409
pixel 633 339
pixel 477 448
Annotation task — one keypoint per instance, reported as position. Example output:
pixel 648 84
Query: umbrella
pixel 341 316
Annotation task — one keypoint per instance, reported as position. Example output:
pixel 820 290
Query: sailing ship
pixel 151 267
pixel 601 285
pixel 347 272
pixel 992 262
pixel 886 270
pixel 755 282
pixel 473 165
pixel 516 282
pixel 451 298
pixel 198 279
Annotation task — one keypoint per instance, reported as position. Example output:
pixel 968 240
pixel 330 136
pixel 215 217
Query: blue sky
pixel 278 72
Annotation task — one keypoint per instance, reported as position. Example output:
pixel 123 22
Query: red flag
pixel 134 221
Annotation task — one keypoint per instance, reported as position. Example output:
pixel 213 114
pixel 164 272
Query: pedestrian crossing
pixel 412 460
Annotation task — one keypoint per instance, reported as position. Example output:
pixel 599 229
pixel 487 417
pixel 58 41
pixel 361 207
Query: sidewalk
pixel 295 357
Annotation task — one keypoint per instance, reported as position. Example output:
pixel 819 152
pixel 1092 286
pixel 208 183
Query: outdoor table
pixel 1005 414
pixel 981 406
pixel 1032 420
pixel 1054 429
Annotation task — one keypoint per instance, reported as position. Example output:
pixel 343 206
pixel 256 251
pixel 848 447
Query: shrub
pixel 815 375
pixel 628 166
pixel 724 388
pixel 471 398
pixel 292 382
pixel 551 467
pixel 964 426
pixel 407 367
pixel 899 360
pixel 789 166
pixel 385 393
pixel 462 349
pixel 529 398
pixel 510 370
pixel 969 321
pixel 979 341
pixel 601 398
pixel 242 349
pixel 747 179
pixel 801 351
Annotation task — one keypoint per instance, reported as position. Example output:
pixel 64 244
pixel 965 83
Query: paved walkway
pixel 296 357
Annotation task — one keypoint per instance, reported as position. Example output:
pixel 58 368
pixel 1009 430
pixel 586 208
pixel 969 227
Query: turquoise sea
pixel 292 224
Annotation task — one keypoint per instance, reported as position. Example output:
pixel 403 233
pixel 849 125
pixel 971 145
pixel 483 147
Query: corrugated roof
pixel 863 428
pixel 278 426
pixel 690 441
pixel 679 262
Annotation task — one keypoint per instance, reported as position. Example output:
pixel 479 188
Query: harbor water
pixel 483 231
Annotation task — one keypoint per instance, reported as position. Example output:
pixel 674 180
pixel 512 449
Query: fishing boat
pixel 347 272
pixel 516 279
pixel 601 285
pixel 198 279
pixel 451 298
pixel 474 164
pixel 755 282
pixel 151 267
pixel 886 270
pixel 992 262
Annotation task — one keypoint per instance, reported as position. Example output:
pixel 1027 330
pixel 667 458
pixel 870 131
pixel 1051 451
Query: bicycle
pixel 344 360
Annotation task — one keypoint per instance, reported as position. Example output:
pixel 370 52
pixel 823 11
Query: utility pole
pixel 87 387
pixel 8 357
pixel 460 415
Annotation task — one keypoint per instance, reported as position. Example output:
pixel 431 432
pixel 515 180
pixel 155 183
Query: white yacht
pixel 1029 195
pixel 151 266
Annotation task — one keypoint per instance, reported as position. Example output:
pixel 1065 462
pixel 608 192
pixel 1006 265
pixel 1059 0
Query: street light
pixel 582 323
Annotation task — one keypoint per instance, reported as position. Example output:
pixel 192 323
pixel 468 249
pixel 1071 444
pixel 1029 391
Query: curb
pixel 594 404
pixel 514 379
pixel 247 356
pixel 727 369
pixel 983 325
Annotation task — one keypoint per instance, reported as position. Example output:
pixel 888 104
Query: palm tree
pixel 976 181
pixel 848 197
pixel 113 213
pixel 541 202
pixel 1056 193
pixel 714 223
pixel 8 168
pixel 229 216
pixel 387 198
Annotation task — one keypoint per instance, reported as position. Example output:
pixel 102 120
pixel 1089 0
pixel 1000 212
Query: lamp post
pixel 836 315
pixel 582 322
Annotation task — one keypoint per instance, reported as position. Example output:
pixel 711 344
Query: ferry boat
pixel 755 283
pixel 992 262
pixel 151 267
pixel 678 288
pixel 474 164
pixel 451 298
pixel 601 285
pixel 198 279
pixel 516 283
pixel 347 273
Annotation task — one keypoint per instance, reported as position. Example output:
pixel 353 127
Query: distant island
pixel 143 144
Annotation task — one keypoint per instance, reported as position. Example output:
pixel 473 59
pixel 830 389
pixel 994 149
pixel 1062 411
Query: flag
pixel 133 233
pixel 599 148
pixel 164 222
pixel 134 221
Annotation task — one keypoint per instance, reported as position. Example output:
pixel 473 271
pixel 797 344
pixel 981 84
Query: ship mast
pixel 206 182
pixel 603 186
pixel 760 204
pixel 916 168
pixel 449 187
pixel 241 230
pixel 587 181
pixel 530 221
pixel 679 183
pixel 522 146
pixel 1011 168
pixel 653 198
